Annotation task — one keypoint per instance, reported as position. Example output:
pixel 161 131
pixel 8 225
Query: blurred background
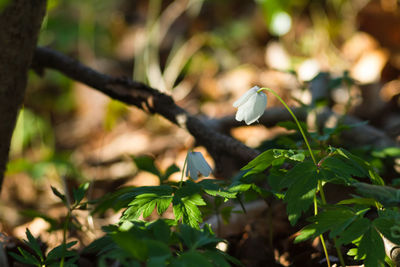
pixel 205 54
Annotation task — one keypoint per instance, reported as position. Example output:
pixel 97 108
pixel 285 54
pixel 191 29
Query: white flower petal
pixel 246 96
pixel 197 164
pixel 251 105
pixel 201 164
pixel 256 109
pixel 191 170
pixel 240 114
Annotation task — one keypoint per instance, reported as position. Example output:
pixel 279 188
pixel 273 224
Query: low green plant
pixel 59 256
pixel 298 176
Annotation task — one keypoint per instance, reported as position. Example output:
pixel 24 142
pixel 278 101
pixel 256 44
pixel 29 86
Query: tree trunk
pixel 20 23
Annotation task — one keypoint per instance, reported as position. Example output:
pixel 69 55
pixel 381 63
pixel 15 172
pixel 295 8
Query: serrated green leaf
pixel 148 208
pixel 61 251
pixel 361 165
pixel 30 260
pixel 59 195
pixel 260 163
pixel 389 228
pixel 354 231
pixel 195 238
pixel 33 244
pixel 212 188
pixel 161 230
pixel 170 170
pixel 302 181
pixel 186 209
pixel 146 163
pixel 194 259
pixel 342 169
pixel 371 249
pixel 386 195
pixel 334 220
pixel 298 172
pixel 136 247
pixel 157 250
pixel 80 192
pixel 146 203
pixel 359 201
pixel 240 188
pixel 289 154
pixel 306 233
pixel 216 258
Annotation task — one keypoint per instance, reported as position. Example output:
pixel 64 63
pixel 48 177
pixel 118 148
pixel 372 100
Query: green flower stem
pixel 321 237
pixel 183 172
pixel 339 253
pixel 320 188
pixel 295 119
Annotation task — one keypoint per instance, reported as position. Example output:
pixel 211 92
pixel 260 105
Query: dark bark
pixel 20 24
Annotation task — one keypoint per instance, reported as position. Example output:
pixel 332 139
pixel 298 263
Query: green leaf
pixel 385 195
pixel 115 200
pixel 146 203
pixel 371 249
pixel 170 170
pixel 186 208
pixel 260 163
pixel 136 247
pixel 298 172
pixel 362 166
pixel 289 154
pixel 334 220
pixel 212 188
pixel 195 238
pixel 146 163
pixel 161 230
pixel 340 168
pixel 194 259
pixel 80 192
pixel 158 251
pixel 22 259
pixel 59 195
pixel 33 244
pixel 302 181
pixel 216 258
pixel 354 231
pixel 359 201
pixel 61 251
pixel 389 227
pixel 27 257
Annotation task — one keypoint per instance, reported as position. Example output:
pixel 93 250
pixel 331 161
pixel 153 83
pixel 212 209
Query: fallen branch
pixel 222 148
pixel 227 152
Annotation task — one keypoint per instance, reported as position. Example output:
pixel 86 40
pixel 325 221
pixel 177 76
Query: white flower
pixel 196 164
pixel 251 105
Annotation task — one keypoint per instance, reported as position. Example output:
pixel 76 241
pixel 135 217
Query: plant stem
pixel 295 119
pixel 320 188
pixel 183 171
pixel 338 251
pixel 321 237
